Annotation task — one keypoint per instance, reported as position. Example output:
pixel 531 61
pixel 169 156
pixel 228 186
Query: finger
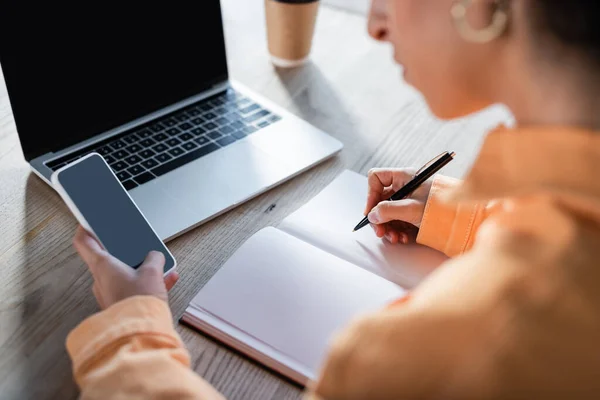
pixel 171 279
pixel 381 179
pixel 387 193
pixel 88 248
pixel 153 264
pixel 98 295
pixel 402 210
pixel 392 236
pixel 379 230
pixel 407 233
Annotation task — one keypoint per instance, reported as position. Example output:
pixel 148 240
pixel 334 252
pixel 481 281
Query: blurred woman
pixel 515 313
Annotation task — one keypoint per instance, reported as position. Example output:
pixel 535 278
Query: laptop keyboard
pixel 186 135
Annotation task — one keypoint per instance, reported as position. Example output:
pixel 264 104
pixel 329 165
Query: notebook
pixel 288 289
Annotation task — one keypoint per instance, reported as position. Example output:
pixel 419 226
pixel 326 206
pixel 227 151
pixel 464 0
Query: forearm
pixel 131 350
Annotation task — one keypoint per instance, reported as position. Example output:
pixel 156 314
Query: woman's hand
pixel 115 281
pixel 396 221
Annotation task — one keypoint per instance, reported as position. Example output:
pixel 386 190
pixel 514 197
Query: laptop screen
pixel 73 71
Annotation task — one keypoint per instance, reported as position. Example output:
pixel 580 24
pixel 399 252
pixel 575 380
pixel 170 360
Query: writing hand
pixel 396 221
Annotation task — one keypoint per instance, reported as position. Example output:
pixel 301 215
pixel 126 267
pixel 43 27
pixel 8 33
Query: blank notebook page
pixel 290 295
pixel 327 221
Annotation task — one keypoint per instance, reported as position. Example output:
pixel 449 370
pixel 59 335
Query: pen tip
pixel 353 230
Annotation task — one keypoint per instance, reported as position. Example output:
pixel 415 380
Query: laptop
pixel 148 87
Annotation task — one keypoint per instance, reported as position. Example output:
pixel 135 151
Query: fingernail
pixel 388 236
pixel 404 238
pixel 374 217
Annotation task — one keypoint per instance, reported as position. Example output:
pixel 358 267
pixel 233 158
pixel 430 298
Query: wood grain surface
pixel 351 89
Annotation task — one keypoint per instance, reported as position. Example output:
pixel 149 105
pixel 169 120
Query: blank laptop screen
pixel 73 71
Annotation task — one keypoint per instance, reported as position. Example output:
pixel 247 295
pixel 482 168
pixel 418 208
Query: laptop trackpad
pixel 224 178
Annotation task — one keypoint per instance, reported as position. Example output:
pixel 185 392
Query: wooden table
pixel 352 89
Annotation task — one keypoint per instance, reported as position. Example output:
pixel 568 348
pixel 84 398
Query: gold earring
pixel 485 35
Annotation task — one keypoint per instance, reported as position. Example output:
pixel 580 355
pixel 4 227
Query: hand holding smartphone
pixel 104 208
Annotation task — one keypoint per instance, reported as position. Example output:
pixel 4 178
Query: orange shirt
pixel 515 313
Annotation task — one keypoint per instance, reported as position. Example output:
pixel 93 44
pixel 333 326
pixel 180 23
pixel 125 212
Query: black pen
pixel 420 177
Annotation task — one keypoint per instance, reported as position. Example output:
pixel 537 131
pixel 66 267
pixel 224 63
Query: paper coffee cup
pixel 290 30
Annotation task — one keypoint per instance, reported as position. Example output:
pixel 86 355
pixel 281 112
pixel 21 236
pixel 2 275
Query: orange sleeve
pixel 131 350
pixel 450 228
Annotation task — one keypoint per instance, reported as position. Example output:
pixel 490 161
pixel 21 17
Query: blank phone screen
pixel 111 214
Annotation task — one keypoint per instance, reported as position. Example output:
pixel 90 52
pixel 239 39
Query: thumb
pixel 408 210
pixel 154 263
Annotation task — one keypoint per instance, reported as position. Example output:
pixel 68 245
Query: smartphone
pixel 105 209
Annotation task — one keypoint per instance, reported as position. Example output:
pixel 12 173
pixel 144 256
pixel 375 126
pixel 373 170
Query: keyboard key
pixel 226 130
pixel 231 107
pixel 150 163
pixel 144 133
pixel 72 160
pixel 157 128
pixel 237 125
pixel 209 116
pixel 186 136
pixel 222 121
pixel 274 118
pixel 169 122
pixel 104 151
pixel 198 121
pixel 256 116
pixel 243 102
pixel 185 126
pixel 123 175
pixel 227 140
pixel 202 140
pixel 136 170
pixel 193 112
pixel 131 138
pixel 217 101
pixel 220 111
pixel 128 185
pixel 205 107
pixel 160 137
pixel 159 148
pixel 234 117
pixel 147 142
pixel 189 146
pixel 147 153
pixel 120 154
pixel 164 157
pixel 182 117
pixel 110 159
pixel 214 135
pixel 238 134
pixel 210 126
pixel 249 109
pixel 189 157
pixel 173 132
pixel 119 144
pixel 131 160
pixel 198 131
pixel 143 178
pixel 264 124
pixel 134 148
pixel 249 130
pixel 173 142
pixel 119 166
pixel 176 151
